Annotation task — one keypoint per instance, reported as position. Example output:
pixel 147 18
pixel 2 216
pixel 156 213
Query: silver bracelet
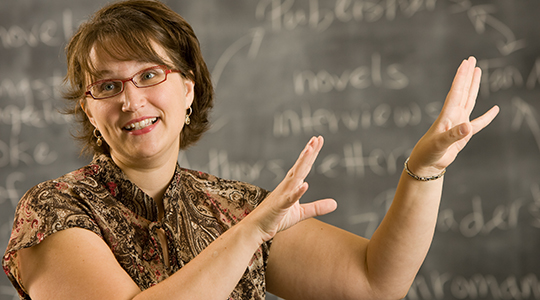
pixel 421 178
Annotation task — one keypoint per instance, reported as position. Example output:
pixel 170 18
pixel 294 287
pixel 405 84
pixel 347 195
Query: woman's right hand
pixel 282 209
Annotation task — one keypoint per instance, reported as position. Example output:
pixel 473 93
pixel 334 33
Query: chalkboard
pixel 368 75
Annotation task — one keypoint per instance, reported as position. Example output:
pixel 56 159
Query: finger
pixel 316 144
pixel 473 91
pixel 297 193
pixel 484 120
pixel 470 70
pixel 318 208
pixel 305 161
pixel 303 164
pixel 464 129
pixel 292 187
pixel 460 85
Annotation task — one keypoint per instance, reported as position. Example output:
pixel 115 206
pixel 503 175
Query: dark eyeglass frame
pixel 123 81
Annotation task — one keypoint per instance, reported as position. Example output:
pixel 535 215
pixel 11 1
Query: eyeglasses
pixel 108 88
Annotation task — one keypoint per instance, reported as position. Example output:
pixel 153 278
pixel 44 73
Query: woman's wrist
pixel 422 178
pixel 251 231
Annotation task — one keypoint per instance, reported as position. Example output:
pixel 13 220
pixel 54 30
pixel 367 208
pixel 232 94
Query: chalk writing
pixel 381 162
pixel 220 165
pixel 30 90
pixel 14 152
pixel 481 15
pixel 534 208
pixel 284 15
pixel 49 33
pixel 324 120
pixel 372 11
pixel 525 113
pixel 253 39
pixel 360 78
pixel 10 191
pixel 498 75
pixel 355 163
pixel 32 117
pixel 28 93
pixel 437 285
pixel 354 160
pixel 534 76
pixel 504 217
pixel 15 36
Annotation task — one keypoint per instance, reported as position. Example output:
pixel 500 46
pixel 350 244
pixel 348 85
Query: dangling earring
pixel 188 120
pixel 99 140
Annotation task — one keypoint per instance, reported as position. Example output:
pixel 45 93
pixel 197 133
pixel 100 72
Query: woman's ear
pixel 88 113
pixel 189 87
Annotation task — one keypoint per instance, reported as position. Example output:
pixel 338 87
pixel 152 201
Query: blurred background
pixel 368 75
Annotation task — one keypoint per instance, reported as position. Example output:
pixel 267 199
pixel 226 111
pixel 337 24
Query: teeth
pixel 142 124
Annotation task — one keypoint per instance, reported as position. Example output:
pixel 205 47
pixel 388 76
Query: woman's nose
pixel 133 98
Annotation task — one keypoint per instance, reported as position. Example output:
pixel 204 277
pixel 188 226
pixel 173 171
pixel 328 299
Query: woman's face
pixel 140 125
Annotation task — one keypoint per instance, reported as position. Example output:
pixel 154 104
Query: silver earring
pixel 99 141
pixel 188 120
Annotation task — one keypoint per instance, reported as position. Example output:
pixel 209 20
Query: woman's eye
pixel 107 86
pixel 148 75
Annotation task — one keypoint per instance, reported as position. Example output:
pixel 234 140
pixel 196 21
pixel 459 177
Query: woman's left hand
pixel 452 130
pixel 282 208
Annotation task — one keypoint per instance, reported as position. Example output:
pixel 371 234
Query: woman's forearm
pixel 215 272
pixel 398 247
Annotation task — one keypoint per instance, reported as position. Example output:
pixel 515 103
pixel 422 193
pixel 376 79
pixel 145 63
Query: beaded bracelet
pixel 421 178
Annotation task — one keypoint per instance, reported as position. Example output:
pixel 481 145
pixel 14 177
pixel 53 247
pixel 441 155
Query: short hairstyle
pixel 125 31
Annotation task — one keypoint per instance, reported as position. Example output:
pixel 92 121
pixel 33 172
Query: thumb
pixel 457 133
pixel 318 208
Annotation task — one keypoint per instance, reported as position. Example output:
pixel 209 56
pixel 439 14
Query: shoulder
pixel 47 208
pixel 67 188
pixel 54 205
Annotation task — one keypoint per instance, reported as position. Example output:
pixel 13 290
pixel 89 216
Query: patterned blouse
pixel 198 208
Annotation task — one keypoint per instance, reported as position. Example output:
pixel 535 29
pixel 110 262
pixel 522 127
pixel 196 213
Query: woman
pixel 134 225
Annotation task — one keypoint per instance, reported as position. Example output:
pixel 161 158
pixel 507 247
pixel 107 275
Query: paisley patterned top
pixel 99 197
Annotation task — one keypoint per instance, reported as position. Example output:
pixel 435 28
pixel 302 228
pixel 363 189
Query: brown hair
pixel 125 31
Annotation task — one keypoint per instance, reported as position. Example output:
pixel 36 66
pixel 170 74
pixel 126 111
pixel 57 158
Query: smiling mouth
pixel 140 125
